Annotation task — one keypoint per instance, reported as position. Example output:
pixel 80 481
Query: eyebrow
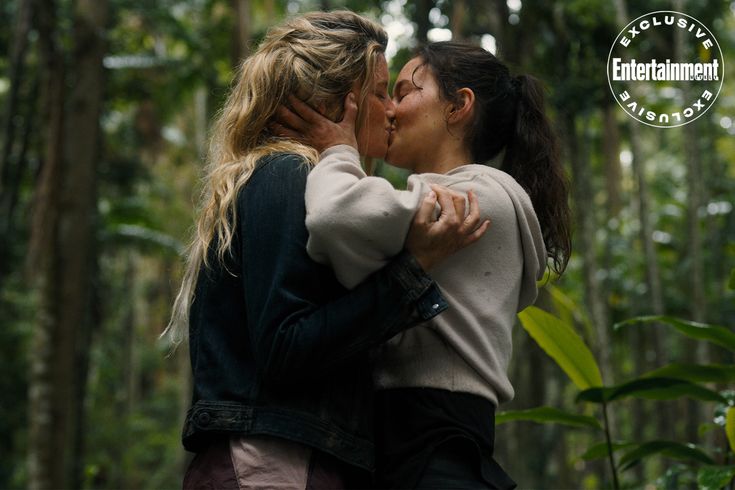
pixel 397 86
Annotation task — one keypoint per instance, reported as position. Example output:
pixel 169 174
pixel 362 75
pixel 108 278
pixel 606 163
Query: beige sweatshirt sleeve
pixel 356 223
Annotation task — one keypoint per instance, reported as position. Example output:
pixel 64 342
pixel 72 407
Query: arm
pixel 294 334
pixel 355 222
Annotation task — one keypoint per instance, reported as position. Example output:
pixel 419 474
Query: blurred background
pixel 105 112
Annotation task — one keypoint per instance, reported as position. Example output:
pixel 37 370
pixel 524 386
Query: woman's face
pixel 419 124
pixel 377 110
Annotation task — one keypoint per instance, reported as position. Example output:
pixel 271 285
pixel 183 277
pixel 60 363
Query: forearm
pixel 320 338
pixel 355 222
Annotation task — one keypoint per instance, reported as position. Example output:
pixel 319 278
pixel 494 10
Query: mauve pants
pixel 262 462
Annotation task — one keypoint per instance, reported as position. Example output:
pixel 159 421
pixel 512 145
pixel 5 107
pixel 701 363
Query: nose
pixel 390 109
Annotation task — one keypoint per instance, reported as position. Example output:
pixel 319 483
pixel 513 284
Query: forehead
pixel 414 69
pixel 381 70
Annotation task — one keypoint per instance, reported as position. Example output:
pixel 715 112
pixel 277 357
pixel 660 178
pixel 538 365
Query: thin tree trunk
pixel 696 199
pixel 241 38
pixel 77 242
pixel 497 23
pixel 421 17
pixel 611 153
pixel 44 465
pixel 62 253
pixel 594 290
pixel 457 21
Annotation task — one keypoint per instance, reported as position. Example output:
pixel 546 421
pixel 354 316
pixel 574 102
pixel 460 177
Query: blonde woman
pixel 279 349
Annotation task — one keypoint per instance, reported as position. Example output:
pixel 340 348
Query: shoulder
pixel 276 177
pixel 279 165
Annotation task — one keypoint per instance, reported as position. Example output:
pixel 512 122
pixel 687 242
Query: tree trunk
pixel 241 33
pixel 696 199
pixel 421 17
pixel 43 413
pixel 611 153
pixel 62 252
pixel 457 21
pixel 585 218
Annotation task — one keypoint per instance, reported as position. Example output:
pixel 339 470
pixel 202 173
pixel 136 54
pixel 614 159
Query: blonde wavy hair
pixel 318 57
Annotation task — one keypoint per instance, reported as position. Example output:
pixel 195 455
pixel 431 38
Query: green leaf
pixel 652 389
pixel 599 450
pixel 731 283
pixel 563 344
pixel 548 415
pixel 730 427
pixel 675 450
pixel 716 334
pixel 703 373
pixel 714 477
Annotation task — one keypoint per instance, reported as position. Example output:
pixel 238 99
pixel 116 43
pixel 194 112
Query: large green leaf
pixel 703 373
pixel 652 389
pixel 548 415
pixel 671 449
pixel 714 477
pixel 730 427
pixel 716 334
pixel 599 450
pixel 563 344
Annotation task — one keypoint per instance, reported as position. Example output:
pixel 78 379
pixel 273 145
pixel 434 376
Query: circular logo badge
pixel 665 69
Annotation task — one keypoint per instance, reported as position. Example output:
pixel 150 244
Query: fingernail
pixel 352 97
pixel 432 195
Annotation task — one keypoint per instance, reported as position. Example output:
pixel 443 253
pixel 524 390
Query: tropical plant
pixel 558 338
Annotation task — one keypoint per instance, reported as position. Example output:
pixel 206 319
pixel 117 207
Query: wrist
pixel 425 261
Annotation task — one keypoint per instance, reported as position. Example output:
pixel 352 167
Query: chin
pixel 396 160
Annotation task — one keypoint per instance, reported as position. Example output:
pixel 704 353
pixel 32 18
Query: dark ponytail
pixel 532 157
pixel 510 115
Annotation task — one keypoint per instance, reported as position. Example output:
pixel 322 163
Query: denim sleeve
pixel 294 334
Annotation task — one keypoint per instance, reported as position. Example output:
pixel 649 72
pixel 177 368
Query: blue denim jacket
pixel 278 346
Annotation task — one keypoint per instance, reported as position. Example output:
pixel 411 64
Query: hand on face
pixel 304 124
pixel 431 241
pixel 308 126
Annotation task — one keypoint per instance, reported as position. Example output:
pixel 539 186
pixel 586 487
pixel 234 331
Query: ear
pixel 461 111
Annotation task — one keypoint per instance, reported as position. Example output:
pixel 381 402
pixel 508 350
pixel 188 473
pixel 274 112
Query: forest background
pixel 103 129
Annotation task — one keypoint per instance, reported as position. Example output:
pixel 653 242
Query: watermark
pixel 665 69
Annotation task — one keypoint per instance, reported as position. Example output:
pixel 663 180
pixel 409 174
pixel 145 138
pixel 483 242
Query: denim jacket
pixel 278 347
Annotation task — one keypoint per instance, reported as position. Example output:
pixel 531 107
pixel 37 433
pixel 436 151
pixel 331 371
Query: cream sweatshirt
pixel 357 223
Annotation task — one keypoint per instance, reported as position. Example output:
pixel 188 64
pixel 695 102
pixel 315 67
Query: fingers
pixel 472 220
pixel 289 119
pixel 424 214
pixel 459 204
pixel 350 114
pixel 304 111
pixel 475 235
pixel 449 212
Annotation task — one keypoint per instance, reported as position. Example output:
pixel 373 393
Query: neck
pixel 448 156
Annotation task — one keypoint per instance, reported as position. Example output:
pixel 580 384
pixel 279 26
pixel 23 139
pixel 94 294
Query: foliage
pixel 567 349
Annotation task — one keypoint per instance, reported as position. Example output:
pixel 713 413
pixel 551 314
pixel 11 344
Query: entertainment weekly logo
pixel 665 69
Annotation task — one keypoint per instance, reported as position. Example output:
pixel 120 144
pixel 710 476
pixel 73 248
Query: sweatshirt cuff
pixel 339 149
pixel 420 288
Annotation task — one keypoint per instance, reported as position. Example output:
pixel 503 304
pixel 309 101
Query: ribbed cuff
pixel 339 149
